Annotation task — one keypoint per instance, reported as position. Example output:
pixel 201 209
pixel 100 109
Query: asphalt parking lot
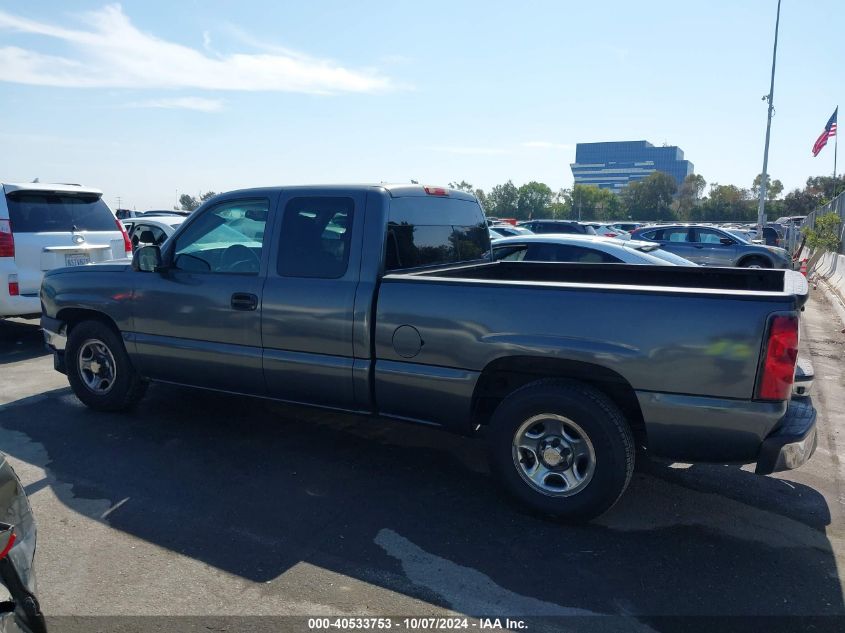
pixel 214 505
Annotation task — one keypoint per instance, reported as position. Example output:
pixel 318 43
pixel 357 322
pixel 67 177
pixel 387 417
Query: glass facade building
pixel 615 164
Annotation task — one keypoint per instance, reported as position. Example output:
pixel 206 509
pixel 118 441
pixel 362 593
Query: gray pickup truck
pixel 383 301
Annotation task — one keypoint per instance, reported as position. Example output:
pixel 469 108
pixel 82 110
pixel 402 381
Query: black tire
pixel 592 414
pixel 124 391
pixel 756 262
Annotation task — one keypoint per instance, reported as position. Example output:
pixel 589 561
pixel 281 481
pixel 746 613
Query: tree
pixel 191 203
pixel 726 202
pixel 188 203
pixel 462 186
pixel 502 200
pixel 533 201
pixel 823 187
pixel 482 198
pixel 773 187
pixel 800 202
pixel 588 202
pixel 825 235
pixel 651 198
pixel 688 194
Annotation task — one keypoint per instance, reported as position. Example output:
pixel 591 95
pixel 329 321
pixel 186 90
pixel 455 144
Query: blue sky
pixel 144 99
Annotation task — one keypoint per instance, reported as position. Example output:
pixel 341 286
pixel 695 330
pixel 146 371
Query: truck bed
pixel 751 283
pixel 682 338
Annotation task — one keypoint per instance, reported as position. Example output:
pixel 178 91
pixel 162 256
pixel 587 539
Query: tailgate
pixel 56 228
pixel 36 253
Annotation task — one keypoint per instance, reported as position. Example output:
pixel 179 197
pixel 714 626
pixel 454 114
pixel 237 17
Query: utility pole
pixel 761 207
pixel 118 202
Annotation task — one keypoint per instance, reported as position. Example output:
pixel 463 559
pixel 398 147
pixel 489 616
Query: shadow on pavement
pixel 20 340
pixel 253 488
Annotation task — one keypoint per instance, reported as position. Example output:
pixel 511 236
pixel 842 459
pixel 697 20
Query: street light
pixel 761 206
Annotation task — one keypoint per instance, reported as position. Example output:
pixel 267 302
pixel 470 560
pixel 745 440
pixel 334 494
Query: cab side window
pixel 227 238
pixel 316 235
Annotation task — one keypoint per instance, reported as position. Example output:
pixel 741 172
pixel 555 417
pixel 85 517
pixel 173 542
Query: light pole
pixel 761 206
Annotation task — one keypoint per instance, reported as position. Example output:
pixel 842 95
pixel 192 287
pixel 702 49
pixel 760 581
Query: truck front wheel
pixel 563 448
pixel 99 369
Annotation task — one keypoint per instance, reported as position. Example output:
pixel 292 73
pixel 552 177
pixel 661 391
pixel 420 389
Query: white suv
pixel 45 226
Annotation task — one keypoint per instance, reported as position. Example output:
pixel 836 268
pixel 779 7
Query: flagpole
pixel 835 151
pixel 761 207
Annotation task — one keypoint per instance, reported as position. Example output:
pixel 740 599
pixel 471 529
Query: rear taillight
pixel 127 243
pixel 7 239
pixel 778 369
pixel 436 191
pixel 14 287
pixel 610 234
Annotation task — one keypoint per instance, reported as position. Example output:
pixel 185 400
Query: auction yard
pixel 206 504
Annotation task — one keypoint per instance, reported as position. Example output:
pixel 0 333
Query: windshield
pixel 739 235
pixel 45 212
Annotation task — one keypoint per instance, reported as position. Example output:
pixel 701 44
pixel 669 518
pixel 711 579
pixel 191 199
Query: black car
pixel 557 226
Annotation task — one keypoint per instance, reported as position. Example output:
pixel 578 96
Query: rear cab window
pixel 434 231
pixel 48 212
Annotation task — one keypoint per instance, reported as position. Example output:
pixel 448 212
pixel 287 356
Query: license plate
pixel 77 260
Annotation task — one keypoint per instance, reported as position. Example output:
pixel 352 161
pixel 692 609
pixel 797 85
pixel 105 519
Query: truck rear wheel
pixel 563 448
pixel 99 369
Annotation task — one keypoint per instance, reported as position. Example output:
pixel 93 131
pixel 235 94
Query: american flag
pixel 829 130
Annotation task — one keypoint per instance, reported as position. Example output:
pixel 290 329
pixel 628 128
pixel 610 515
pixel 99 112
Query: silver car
pixel 583 249
pixel 713 246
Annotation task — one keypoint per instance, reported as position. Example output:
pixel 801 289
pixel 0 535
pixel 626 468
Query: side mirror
pixel 147 259
pixel 726 241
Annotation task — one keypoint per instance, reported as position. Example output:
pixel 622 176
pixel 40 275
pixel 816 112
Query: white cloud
pixel 460 149
pixel 185 103
pixel 114 53
pixel 547 145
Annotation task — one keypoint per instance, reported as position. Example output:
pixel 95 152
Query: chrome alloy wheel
pixel 96 366
pixel 553 455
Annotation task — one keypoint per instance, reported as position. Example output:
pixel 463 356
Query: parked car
pixel 606 230
pixel 743 234
pixel 166 212
pixel 713 246
pixel 152 229
pixel 507 230
pixel 557 226
pixel 45 226
pixel 125 214
pixel 796 220
pixel 772 234
pixel 384 301
pixel 585 249
pixel 20 611
pixel 627 226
